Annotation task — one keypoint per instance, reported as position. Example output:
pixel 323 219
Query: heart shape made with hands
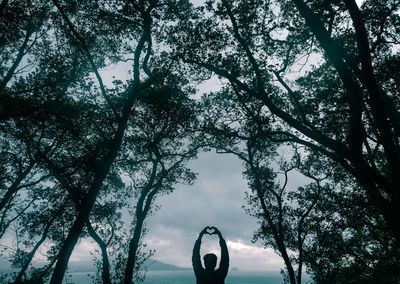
pixel 210 230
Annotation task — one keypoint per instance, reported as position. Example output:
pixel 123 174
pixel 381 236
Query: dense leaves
pixel 316 81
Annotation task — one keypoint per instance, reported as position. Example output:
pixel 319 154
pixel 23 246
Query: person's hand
pixel 204 231
pixel 216 231
pixel 210 230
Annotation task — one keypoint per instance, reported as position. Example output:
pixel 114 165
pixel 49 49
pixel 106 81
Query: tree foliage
pixel 256 45
pixel 317 78
pixel 315 67
pixel 68 134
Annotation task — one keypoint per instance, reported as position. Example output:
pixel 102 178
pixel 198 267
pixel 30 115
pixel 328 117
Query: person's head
pixel 210 261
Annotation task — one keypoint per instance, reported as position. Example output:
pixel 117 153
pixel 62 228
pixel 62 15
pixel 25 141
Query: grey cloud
pixel 216 199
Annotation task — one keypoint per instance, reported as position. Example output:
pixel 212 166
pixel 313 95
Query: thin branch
pixel 293 97
pixel 89 56
pixel 245 46
pixel 335 54
pixel 314 134
pixel 4 227
pixel 17 61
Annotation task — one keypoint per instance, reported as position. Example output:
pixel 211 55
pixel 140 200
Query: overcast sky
pixel 216 199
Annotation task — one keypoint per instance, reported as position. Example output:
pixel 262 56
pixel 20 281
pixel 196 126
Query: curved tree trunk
pixel 105 162
pixel 68 246
pixel 32 253
pixel 278 239
pixel 133 247
pixel 105 274
pixel 89 200
pixel 38 244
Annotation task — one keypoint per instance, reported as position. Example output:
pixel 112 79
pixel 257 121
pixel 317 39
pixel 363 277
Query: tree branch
pixel 17 61
pixel 89 56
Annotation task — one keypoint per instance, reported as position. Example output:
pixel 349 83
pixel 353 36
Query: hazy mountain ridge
pixel 156 265
pixel 88 266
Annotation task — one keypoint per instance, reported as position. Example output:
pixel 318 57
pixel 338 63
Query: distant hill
pixel 88 266
pixel 151 264
pixel 155 265
pixel 81 266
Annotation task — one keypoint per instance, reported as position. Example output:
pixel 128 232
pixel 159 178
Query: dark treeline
pixel 308 87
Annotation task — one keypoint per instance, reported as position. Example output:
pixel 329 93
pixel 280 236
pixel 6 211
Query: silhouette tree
pixel 105 156
pixel 81 123
pixel 317 77
pixel 346 235
pixel 45 226
pixel 45 222
pixel 238 127
pixel 21 26
pixel 159 137
pixel 103 230
pixel 347 110
pixel 326 225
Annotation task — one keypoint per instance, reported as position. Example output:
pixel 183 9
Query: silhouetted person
pixel 210 275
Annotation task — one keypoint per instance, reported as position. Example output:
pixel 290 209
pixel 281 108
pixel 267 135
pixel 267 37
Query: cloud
pixel 83 250
pixel 175 247
pixel 250 257
pixel 215 199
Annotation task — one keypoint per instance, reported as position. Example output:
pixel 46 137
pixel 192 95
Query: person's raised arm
pixel 224 263
pixel 196 261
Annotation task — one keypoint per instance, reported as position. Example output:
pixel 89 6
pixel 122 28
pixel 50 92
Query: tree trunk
pixel 18 59
pixel 77 227
pixel 69 244
pixel 277 234
pixel 32 253
pixel 279 240
pixel 133 247
pixel 89 200
pixel 286 259
pixel 300 267
pixel 105 274
pixel 376 102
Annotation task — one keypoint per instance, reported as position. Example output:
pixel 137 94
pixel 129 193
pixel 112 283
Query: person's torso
pixel 210 277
